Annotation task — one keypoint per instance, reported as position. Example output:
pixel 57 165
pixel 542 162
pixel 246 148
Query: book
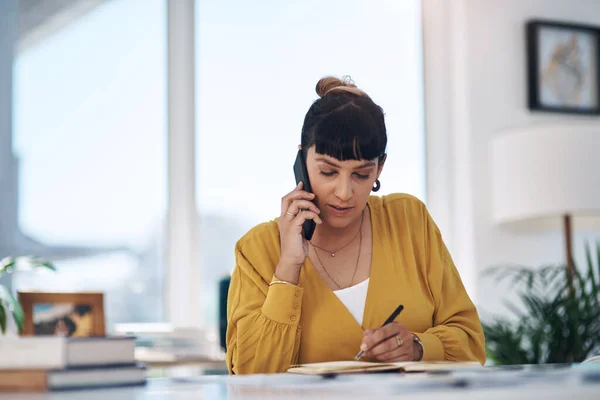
pixel 54 352
pixel 352 367
pixel 39 380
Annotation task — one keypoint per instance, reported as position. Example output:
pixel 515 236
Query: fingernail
pixel 363 347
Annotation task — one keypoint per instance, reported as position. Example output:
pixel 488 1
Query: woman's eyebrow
pixel 364 165
pixel 327 162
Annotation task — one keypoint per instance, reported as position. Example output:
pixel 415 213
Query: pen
pixel 390 319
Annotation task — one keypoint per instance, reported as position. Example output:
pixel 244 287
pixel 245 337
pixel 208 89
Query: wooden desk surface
pixel 571 383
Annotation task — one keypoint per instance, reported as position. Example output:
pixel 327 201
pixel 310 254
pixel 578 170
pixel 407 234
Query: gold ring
pixel 289 213
pixel 399 341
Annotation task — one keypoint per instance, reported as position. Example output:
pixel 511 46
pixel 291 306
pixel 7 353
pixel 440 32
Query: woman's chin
pixel 337 222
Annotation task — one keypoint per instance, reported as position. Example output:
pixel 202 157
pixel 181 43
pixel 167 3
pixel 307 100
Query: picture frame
pixel 78 314
pixel 563 67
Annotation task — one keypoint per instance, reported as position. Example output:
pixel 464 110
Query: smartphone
pixel 301 173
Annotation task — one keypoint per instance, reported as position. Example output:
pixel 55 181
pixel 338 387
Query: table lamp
pixel 544 176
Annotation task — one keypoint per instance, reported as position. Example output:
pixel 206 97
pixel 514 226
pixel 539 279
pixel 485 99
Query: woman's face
pixel 341 188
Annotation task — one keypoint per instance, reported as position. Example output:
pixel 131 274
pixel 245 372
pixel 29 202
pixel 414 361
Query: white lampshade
pixel 542 172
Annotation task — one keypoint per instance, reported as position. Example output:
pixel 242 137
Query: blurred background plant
pixel 9 306
pixel 557 321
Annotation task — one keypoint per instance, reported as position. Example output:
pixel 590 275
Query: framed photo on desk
pixel 62 314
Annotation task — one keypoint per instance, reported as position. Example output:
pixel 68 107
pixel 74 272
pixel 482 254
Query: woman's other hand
pixel 296 207
pixel 393 342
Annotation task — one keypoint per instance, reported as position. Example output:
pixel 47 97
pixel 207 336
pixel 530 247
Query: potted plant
pixel 556 323
pixel 9 306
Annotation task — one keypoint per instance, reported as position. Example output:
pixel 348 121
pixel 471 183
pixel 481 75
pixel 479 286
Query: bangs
pixel 348 134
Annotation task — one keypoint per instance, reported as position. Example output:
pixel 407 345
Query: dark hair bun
pixel 330 84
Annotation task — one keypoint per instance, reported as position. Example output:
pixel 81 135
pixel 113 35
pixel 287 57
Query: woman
pixel 295 301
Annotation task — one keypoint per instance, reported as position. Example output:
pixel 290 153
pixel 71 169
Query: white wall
pixel 475 77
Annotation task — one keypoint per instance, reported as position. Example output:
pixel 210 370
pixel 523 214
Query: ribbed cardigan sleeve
pixel 263 332
pixel 457 334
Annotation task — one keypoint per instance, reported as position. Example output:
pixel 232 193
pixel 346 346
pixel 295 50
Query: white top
pixel 354 298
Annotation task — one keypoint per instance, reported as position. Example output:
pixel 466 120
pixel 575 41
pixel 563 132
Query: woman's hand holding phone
pixel 296 207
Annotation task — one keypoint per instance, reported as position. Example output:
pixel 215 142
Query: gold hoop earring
pixel 377 185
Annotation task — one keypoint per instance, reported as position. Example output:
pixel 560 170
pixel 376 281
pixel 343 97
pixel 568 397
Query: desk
pixel 569 383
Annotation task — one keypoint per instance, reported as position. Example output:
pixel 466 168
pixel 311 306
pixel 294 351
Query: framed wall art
pixel 563 67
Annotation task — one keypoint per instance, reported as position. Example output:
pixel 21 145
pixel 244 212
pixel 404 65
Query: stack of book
pixel 61 363
pixel 163 343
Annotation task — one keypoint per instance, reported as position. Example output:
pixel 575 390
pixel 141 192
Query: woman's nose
pixel 343 189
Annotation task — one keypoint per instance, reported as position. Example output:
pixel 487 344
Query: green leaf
pixel 553 324
pixel 590 277
pixel 513 308
pixel 4 295
pixel 2 318
pixel 18 315
pixel 9 263
pixel 505 343
pixel 14 307
pixel 6 264
pixel 598 260
pixel 46 265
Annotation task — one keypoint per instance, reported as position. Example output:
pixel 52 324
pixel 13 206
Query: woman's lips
pixel 336 210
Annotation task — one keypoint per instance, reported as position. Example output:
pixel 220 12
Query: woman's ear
pixel 299 147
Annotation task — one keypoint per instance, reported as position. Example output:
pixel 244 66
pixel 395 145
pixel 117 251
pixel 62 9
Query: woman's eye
pixel 361 176
pixel 331 173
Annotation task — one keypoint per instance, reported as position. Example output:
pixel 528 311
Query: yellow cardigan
pixel 273 327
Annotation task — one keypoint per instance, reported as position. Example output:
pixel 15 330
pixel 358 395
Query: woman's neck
pixel 332 238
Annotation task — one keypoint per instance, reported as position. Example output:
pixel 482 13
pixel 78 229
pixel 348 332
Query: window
pixel 257 66
pixel 90 138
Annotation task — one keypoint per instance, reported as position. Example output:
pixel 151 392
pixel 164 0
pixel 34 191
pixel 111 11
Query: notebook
pixel 352 367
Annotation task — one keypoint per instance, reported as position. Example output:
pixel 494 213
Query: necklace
pixel 332 254
pixel 355 266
